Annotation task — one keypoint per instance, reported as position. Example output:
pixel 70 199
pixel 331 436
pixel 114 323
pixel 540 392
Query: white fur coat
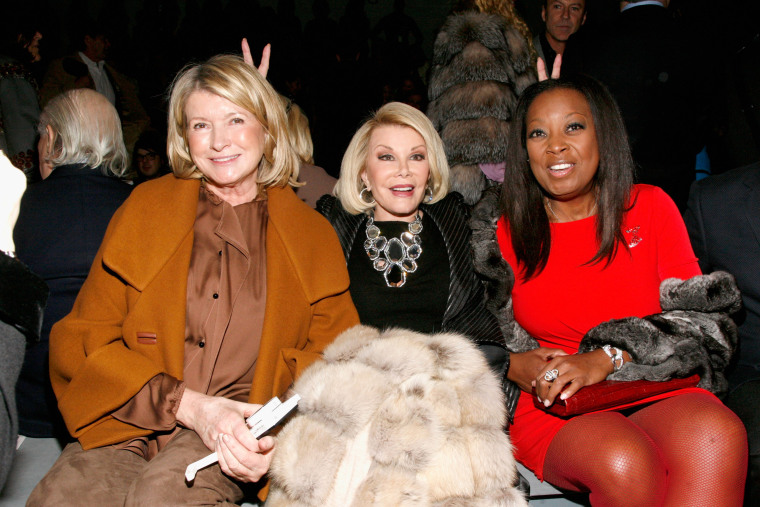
pixel 396 419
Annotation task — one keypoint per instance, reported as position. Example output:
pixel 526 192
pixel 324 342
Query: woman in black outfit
pixel 405 240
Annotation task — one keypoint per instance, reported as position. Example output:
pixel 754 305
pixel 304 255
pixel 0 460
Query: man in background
pixel 88 68
pixel 562 18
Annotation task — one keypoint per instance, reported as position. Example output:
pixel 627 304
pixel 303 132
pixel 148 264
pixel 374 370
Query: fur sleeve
pixel 694 334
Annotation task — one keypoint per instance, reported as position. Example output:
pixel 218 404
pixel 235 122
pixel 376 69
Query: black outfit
pixel 464 311
pixel 544 50
pixel 723 220
pixel 659 78
pixel 22 300
pixel 61 223
pixel 418 304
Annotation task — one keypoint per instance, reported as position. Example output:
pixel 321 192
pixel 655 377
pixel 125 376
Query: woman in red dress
pixel 596 260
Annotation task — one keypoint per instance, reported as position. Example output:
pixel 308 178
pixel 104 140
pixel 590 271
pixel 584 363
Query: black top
pixel 465 311
pixel 420 303
pixel 723 220
pixel 61 223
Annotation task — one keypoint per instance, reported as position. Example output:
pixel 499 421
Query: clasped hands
pixel 220 423
pixel 528 370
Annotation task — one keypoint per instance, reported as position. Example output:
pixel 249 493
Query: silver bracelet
pixel 617 356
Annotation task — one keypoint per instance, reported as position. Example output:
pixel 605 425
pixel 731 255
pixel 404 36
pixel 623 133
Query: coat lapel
pixel 138 253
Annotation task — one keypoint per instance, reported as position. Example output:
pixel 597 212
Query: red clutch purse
pixel 609 394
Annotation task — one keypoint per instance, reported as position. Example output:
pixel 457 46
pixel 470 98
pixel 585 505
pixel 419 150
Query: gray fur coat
pixel 396 419
pixel 480 67
pixel 694 334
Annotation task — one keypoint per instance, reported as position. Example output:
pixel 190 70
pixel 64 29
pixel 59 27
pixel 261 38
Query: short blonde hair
pixel 231 78
pixel 299 132
pixel 354 162
pixel 86 130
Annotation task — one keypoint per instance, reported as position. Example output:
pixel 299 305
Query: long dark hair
pixel 522 198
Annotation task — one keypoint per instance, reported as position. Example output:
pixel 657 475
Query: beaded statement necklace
pixel 397 257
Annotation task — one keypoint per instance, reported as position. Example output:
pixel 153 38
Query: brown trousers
pixel 107 476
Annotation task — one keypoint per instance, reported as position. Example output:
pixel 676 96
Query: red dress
pixel 569 297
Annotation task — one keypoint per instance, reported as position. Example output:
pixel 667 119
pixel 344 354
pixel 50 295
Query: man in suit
pixel 88 69
pixel 657 74
pixel 723 220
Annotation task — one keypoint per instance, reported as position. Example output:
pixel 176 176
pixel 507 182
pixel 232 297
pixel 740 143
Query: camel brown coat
pixel 104 351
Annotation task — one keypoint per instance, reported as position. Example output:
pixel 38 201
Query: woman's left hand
pixel 241 462
pixel 575 371
pixel 263 67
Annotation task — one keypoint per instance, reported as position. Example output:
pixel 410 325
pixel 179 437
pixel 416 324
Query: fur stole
pixel 694 334
pixel 396 419
pixel 481 65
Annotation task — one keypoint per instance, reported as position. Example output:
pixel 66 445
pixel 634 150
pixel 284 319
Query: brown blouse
pixel 226 296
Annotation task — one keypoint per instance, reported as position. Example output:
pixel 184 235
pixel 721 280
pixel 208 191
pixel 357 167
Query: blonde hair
pixel 85 130
pixel 299 132
pixel 506 8
pixel 231 78
pixel 354 163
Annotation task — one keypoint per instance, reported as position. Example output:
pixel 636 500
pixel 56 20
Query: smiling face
pixel 226 143
pixel 397 171
pixel 562 147
pixel 563 18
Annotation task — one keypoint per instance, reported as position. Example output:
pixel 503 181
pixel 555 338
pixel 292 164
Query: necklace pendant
pixel 395 257
pixel 399 283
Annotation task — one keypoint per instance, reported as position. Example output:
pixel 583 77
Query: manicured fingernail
pixel 546 403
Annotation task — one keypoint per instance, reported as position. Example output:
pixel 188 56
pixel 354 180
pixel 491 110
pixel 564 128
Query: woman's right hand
pixel 524 367
pixel 221 425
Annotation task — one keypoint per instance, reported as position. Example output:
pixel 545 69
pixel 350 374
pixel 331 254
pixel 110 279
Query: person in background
pixel 316 181
pixel 149 157
pixel 19 106
pixel 22 300
pixel 581 264
pixel 88 68
pixel 404 237
pixel 482 61
pixel 562 18
pixel 198 312
pixel 60 227
pixel 724 226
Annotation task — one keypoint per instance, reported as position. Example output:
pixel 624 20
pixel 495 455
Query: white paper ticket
pixel 259 423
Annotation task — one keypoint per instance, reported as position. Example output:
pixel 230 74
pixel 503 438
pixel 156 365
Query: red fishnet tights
pixel 685 450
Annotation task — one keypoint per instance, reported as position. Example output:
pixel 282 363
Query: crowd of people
pixel 525 230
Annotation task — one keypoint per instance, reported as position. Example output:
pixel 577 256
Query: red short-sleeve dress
pixel 570 296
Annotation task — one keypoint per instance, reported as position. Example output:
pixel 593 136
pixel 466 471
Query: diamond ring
pixel 551 375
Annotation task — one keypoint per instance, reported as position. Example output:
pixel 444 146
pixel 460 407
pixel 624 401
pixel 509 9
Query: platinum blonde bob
pixel 354 162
